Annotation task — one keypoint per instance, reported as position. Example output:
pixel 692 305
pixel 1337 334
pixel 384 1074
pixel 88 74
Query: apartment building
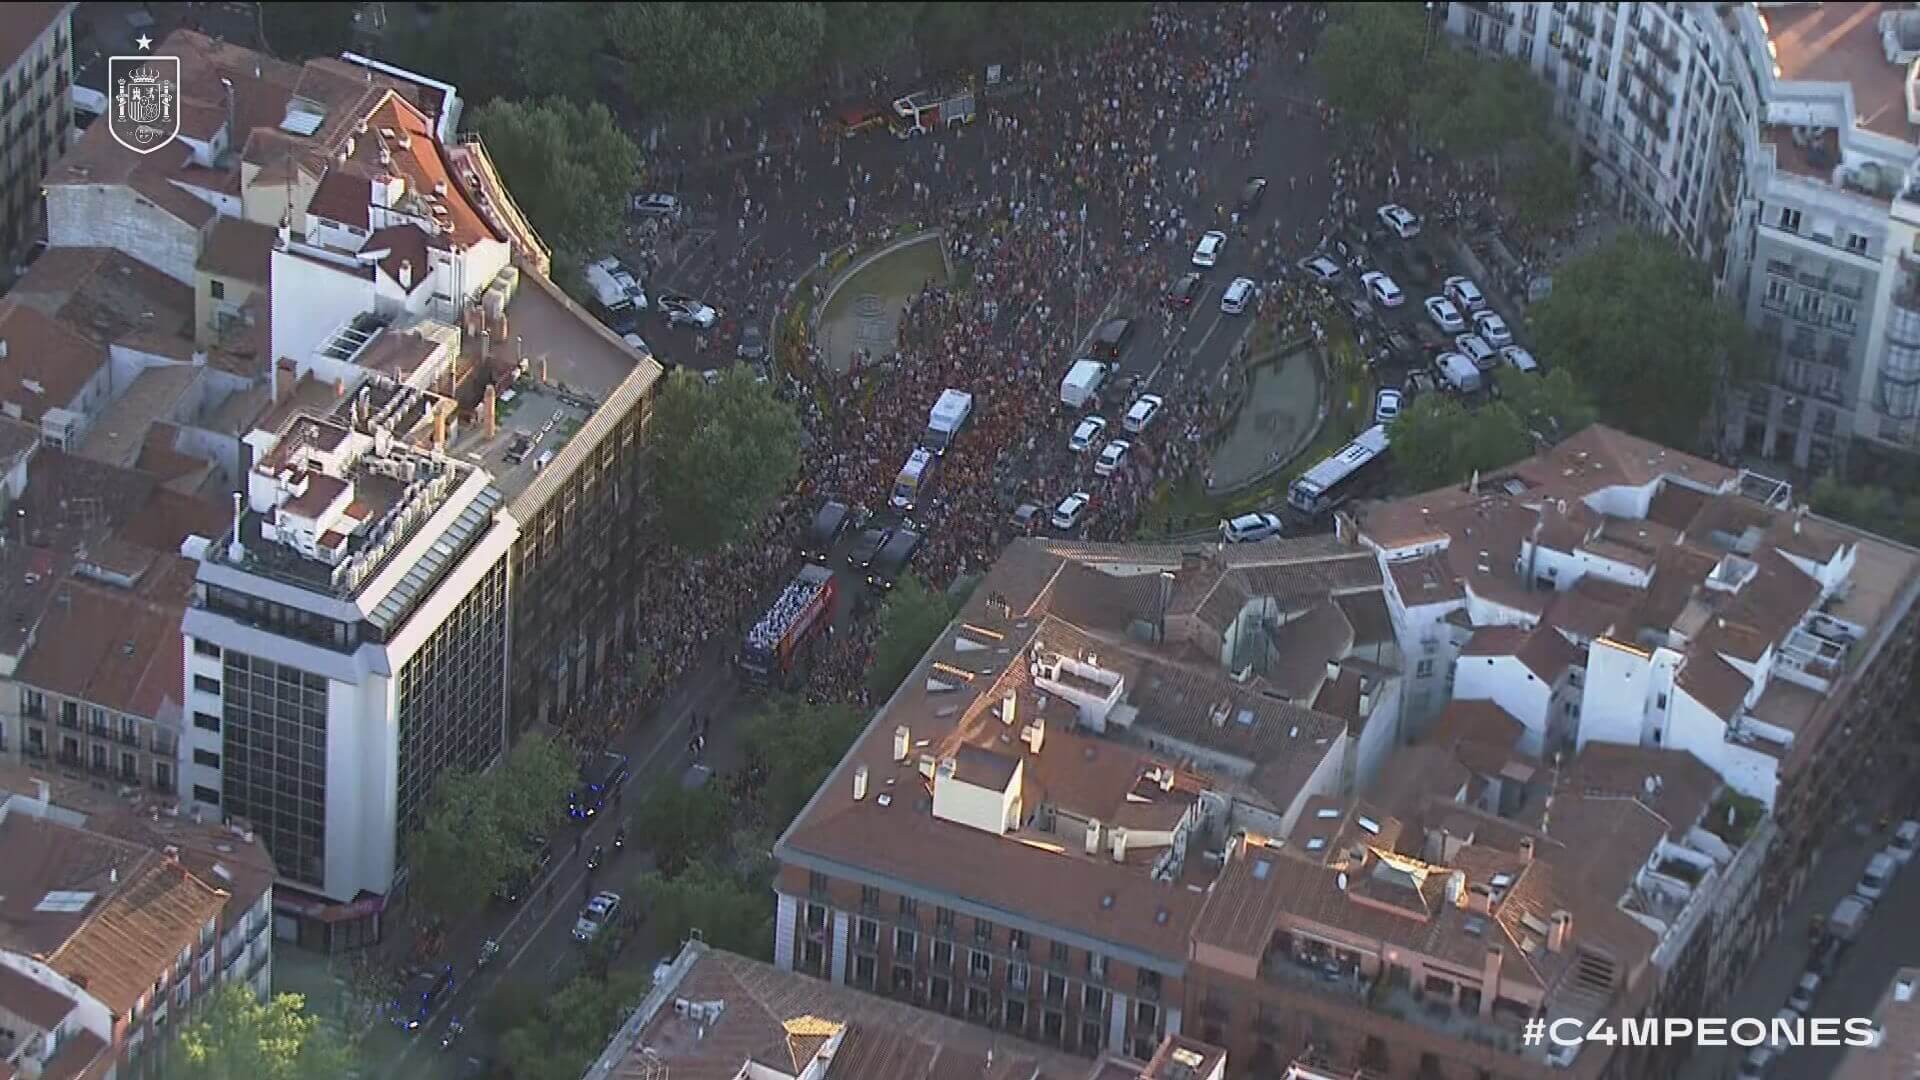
pixel 36 69
pixel 1772 141
pixel 1897 1027
pixel 1698 609
pixel 1021 836
pixel 122 914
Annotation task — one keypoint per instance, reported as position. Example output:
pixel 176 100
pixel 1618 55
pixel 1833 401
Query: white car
pixel 1088 434
pixel 1445 315
pixel 1906 837
pixel 638 344
pixel 1386 405
pixel 1382 289
pixel 1804 991
pixel 1464 293
pixel 1067 514
pixel 598 913
pixel 1234 300
pixel 1519 359
pixel 1321 268
pixel 1493 328
pixel 685 309
pixel 1208 253
pixel 1475 348
pixel 1112 457
pixel 1404 222
pixel 1142 412
pixel 658 204
pixel 1249 527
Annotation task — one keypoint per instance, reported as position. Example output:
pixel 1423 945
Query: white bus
pixel 914 479
pixel 1331 482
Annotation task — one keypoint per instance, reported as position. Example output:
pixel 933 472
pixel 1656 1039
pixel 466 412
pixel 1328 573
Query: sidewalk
pixel 1765 985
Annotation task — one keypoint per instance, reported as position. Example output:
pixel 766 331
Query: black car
pixel 1253 194
pixel 1111 339
pixel 868 546
pixel 753 344
pixel 893 558
pixel 1185 291
pixel 413 1006
pixel 829 523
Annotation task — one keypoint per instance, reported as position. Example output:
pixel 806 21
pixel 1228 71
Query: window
pixel 982 930
pixel 1842 313
pixel 206 685
pixel 816 883
pixel 1058 951
pixel 1056 987
pixel 1092 999
pixel 863 971
pixel 207 758
pixel 206 648
pixel 1146 1015
pixel 943 919
pixel 1089 1036
pixel 867 933
pixel 202 793
pixel 217 288
pixel 943 954
pixel 1857 243
pixel 1660 701
pixel 937 993
pixel 869 898
pixel 909 908
pixel 1096 965
pixel 905 942
pixel 1789 219
pixel 1424 670
pixel 1017 941
pixel 1016 1016
pixel 902 979
pixel 1777 291
pixel 206 721
pixel 816 917
pixel 1147 981
pixel 979 964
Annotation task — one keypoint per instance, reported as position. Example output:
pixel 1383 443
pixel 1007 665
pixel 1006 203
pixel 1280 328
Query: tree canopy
pixel 725 452
pixel 731 912
pixel 702 56
pixel 794 745
pixel 1370 59
pixel 1545 188
pixel 1437 441
pixel 1636 323
pixel 296 32
pixel 473 836
pixel 570 168
pixel 1551 405
pixel 571 1026
pixel 679 823
pixel 1871 507
pixel 236 1036
pixel 911 618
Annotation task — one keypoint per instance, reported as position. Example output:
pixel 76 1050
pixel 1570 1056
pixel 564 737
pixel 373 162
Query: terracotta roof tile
pixel 39 1005
pixel 47 362
pixel 1714 683
pixel 238 249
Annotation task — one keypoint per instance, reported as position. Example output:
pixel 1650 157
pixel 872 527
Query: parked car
pixel 1445 315
pixel 1250 527
pixel 753 344
pixel 1804 992
pixel 1520 359
pixel 1464 293
pixel 1476 349
pixel 1025 518
pixel 1087 434
pixel 1252 195
pixel 418 994
pixel 1490 326
pixel 594 917
pixel 1141 413
pixel 1382 289
pixel 1878 875
pixel 1113 457
pixel 1111 339
pixel 1321 268
pixel 1186 290
pixel 1208 253
pixel 1067 515
pixel 658 204
pixel 1386 405
pixel 1906 837
pixel 1239 293
pixel 686 310
pixel 1403 222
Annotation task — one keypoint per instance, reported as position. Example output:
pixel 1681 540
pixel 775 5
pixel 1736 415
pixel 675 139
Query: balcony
pixel 1654 83
pixel 1444 1013
pixel 127 737
pixel 1581 22
pixel 165 745
pixel 1668 56
pixel 71 723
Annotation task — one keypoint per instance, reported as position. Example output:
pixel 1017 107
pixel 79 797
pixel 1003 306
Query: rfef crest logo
pixel 143 113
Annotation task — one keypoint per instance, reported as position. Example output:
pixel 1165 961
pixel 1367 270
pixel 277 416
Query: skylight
pixel 1316 843
pixel 1368 824
pixel 1262 868
pixel 1327 813
pixel 61 901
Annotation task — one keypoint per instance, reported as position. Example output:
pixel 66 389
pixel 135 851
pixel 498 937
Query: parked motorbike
pixel 619 838
pixel 454 1030
pixel 594 856
pixel 488 949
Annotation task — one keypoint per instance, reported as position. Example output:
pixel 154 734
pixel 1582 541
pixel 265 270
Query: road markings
pixel 1215 325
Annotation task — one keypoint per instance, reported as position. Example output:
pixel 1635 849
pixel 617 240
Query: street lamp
pixel 1426 43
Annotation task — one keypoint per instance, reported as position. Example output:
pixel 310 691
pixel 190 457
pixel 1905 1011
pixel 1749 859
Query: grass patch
pixel 1733 817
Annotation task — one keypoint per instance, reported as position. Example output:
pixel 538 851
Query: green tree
pixel 1437 442
pixel 471 46
pixel 572 1027
pixel 571 168
pixel 679 823
pixel 911 618
pixel 555 49
pixel 795 745
pixel 237 1036
pixel 730 913
pixel 1475 108
pixel 956 34
pixel 296 32
pixel 1871 507
pixel 867 33
pixel 529 788
pixel 461 852
pixel 1551 404
pixel 1046 24
pixel 714 55
pixel 1370 58
pixel 723 454
pixel 1636 323
pixel 1545 188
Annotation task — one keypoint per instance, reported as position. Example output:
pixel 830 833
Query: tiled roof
pixel 238 249
pixel 1548 654
pixel 1714 683
pixel 108 648
pixel 134 935
pixel 47 362
pixel 28 999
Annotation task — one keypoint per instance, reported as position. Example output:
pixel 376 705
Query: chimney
pixel 339 389
pixel 902 742
pixel 236 549
pixel 1333 670
pixel 172 852
pixel 1119 837
pixel 490 410
pixel 859 783
pixel 3 348
pixel 1366 703
pixel 1093 836
pixel 1526 849
pixel 1034 734
pixel 1009 705
pixel 439 429
pixel 406 275
pixel 1456 886
pixel 1560 927
pixel 927 766
pixel 1479 899
pixel 1799 515
pixel 1166 778
pixel 1490 979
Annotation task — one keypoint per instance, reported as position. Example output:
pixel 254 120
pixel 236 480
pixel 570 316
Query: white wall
pixel 310 303
pixel 1379 735
pixel 1513 686
pixel 112 215
pixel 1613 701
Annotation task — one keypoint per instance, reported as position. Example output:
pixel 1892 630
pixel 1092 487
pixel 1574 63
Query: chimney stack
pixel 439 429
pixel 1526 849
pixel 1479 899
pixel 490 410
pixel 859 783
pixel 1490 979
pixel 1119 836
pixel 1366 703
pixel 1009 707
pixel 1456 886
pixel 1559 928
pixel 1093 836
pixel 1333 670
pixel 902 742
pixel 406 275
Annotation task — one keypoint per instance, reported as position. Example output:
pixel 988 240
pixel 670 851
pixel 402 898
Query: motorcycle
pixel 488 949
pixel 454 1030
pixel 619 839
pixel 593 857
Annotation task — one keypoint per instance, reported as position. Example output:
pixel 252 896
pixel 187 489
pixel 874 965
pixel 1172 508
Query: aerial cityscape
pixel 929 540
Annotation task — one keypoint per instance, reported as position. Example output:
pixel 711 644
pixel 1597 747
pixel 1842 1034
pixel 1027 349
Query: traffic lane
pixel 1889 941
